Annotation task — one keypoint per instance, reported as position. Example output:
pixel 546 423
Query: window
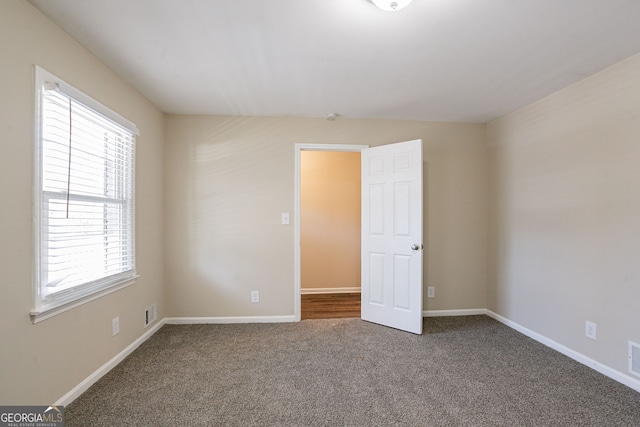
pixel 84 205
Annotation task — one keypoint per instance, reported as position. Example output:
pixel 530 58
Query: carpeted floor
pixel 463 371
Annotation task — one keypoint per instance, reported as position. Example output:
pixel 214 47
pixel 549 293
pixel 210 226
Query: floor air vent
pixel 634 358
pixel 150 315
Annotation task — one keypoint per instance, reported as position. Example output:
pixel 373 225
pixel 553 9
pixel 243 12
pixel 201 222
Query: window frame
pixel 80 294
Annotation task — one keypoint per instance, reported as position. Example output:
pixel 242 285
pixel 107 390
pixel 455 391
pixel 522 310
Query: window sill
pixel 46 313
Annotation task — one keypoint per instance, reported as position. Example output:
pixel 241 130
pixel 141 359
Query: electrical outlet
pixel 590 330
pixel 431 292
pixel 255 296
pixel 115 326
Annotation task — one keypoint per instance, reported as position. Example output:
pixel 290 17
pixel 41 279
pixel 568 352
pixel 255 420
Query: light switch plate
pixel 285 218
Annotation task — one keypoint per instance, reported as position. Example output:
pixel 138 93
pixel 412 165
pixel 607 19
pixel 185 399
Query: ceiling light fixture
pixel 391 5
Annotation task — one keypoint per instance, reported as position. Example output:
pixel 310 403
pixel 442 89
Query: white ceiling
pixel 442 60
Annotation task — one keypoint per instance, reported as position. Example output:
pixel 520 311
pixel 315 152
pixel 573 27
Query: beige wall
pixel 557 186
pixel 565 209
pixel 329 219
pixel 40 363
pixel 230 178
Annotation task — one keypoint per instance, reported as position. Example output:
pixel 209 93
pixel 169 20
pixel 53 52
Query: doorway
pixel 392 223
pixel 327 230
pixel 330 224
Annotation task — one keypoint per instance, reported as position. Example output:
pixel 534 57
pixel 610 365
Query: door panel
pixel 376 204
pixel 376 273
pixel 401 284
pixel 391 224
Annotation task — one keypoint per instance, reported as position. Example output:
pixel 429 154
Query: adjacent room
pixel 178 176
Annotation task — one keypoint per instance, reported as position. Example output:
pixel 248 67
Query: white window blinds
pixel 86 200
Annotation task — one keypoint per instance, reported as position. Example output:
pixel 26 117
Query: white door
pixel 392 235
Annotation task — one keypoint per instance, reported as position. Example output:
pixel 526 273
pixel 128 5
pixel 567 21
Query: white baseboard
pixel 578 357
pixel 351 290
pixel 227 320
pixel 104 369
pixel 581 358
pixel 447 313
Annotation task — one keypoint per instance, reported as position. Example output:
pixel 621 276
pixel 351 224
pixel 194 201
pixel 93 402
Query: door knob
pixel 416 247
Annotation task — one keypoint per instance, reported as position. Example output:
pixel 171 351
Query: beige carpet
pixel 463 371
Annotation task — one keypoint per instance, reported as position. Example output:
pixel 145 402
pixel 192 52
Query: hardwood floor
pixel 330 306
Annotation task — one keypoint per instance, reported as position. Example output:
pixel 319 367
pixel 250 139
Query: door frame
pixel 297 271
